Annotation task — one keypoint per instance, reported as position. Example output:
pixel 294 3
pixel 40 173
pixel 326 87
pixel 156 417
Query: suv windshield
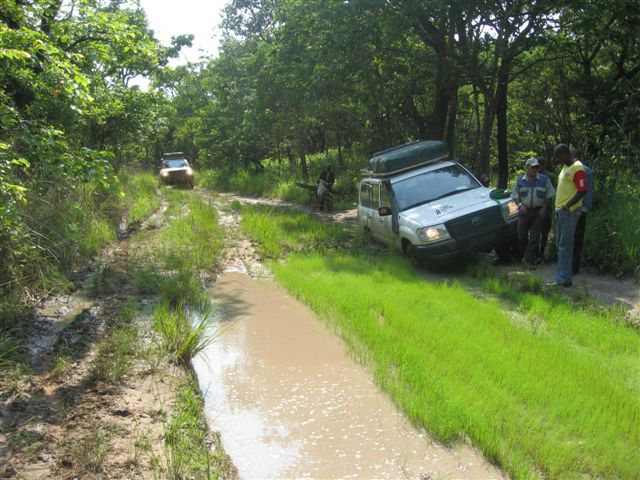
pixel 174 163
pixel 429 186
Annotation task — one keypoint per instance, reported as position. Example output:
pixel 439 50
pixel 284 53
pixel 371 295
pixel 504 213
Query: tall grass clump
pixel 180 338
pixel 11 345
pixel 71 227
pixel 117 351
pixel 612 240
pixel 561 400
pixel 115 355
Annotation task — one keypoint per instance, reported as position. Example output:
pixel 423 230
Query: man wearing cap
pixel 532 193
pixel 572 186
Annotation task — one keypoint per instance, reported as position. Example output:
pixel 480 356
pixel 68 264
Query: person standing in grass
pixel 572 187
pixel 532 192
pixel 578 241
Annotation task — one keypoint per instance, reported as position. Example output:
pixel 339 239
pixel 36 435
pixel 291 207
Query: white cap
pixel 532 162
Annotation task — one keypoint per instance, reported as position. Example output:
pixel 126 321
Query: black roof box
pixel 407 156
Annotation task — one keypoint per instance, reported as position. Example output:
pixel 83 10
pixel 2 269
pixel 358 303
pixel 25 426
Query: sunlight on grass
pixel 281 232
pixel 565 402
pixel 182 339
pixel 186 438
pixel 555 393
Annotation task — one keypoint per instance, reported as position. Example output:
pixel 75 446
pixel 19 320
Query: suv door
pixel 365 209
pixel 381 225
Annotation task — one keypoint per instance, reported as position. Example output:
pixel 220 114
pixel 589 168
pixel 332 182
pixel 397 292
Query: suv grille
pixel 476 224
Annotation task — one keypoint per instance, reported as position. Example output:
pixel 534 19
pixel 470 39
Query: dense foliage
pixel 69 121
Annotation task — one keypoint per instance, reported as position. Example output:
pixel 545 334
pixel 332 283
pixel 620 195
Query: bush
pixel 612 240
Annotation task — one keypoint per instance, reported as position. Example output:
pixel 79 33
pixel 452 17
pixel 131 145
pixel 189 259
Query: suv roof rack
pixel 405 157
pixel 173 155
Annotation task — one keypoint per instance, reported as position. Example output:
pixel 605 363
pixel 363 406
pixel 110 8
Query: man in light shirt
pixel 532 193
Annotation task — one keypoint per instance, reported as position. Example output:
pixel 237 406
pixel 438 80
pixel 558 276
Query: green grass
pixel 280 234
pixel 180 338
pixel 186 439
pixel 12 310
pixel 115 355
pixel 92 450
pixel 118 350
pixel 140 197
pixel 552 389
pixel 279 179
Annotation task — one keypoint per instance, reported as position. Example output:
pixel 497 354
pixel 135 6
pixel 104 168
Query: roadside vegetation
pixel 168 264
pixel 69 229
pixel 542 385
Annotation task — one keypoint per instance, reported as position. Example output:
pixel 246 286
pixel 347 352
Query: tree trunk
pixel 451 122
pixel 501 116
pixel 478 131
pixel 442 98
pixel 487 130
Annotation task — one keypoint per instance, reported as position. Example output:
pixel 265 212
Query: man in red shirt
pixel 572 186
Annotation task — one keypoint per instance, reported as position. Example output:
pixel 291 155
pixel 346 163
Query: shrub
pixel 612 240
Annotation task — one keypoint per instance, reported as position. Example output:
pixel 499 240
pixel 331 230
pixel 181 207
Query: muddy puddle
pixel 54 316
pixel 289 402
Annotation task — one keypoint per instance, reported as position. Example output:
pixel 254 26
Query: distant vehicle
pixel 414 197
pixel 176 170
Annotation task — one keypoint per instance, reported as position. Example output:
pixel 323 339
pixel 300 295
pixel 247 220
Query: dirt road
pixel 55 422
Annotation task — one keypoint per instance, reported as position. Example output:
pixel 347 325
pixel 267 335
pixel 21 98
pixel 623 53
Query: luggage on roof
pixel 407 156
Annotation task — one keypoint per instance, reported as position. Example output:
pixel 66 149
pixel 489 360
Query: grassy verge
pixel 280 233
pixel 170 262
pixel 62 230
pixel 553 391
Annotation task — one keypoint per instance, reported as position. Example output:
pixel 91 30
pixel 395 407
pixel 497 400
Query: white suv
pixel 431 207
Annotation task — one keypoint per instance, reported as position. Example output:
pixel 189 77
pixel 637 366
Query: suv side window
pixel 385 199
pixel 375 196
pixel 365 195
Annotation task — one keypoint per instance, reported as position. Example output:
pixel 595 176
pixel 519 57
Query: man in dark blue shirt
pixel 532 193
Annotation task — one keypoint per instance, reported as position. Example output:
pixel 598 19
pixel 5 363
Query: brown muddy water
pixel 289 402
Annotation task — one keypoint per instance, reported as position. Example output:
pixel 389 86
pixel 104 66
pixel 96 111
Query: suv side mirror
pixel 384 211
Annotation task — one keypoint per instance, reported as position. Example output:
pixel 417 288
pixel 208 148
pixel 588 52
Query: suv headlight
pixel 164 173
pixel 510 209
pixel 434 233
pixel 189 171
